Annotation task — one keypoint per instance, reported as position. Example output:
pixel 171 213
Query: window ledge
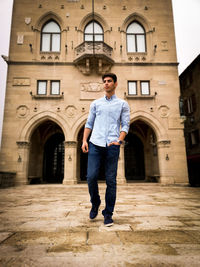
pixel 49 52
pixel 140 96
pixel 136 53
pixel 48 96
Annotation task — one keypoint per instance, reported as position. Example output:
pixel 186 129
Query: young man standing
pixel 106 116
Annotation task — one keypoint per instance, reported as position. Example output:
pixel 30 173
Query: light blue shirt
pixel 105 118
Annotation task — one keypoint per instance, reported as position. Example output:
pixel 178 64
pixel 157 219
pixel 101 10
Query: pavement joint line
pixel 4 240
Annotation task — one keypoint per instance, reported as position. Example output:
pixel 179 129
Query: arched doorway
pixel 53 167
pixel 46 161
pixel 134 158
pixel 82 161
pixel 140 152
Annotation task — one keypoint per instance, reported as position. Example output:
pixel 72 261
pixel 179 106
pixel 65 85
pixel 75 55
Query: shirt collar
pixel 111 98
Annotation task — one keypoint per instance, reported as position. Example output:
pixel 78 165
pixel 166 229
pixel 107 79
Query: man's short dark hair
pixel 112 75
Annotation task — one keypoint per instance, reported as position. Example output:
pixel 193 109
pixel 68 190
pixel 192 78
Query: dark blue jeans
pixel 110 154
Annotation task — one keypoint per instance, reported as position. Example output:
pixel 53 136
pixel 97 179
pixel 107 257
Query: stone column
pixel 22 162
pixel 121 167
pixel 70 163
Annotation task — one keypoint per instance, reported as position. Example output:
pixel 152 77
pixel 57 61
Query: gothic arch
pixel 48 16
pixel 78 125
pixel 139 18
pixel 90 17
pixel 31 124
pixel 152 121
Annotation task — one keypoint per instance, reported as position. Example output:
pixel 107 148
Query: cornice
pixel 12 62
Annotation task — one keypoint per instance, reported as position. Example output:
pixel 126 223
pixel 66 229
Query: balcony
pixel 93 57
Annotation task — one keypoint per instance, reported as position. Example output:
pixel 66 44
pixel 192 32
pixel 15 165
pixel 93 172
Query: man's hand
pixel 85 147
pixel 114 143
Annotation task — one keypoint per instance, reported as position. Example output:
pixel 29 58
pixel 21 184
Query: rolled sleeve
pixel 125 118
pixel 91 117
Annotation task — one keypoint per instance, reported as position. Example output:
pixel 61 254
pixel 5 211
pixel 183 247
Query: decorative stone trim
pixel 89 54
pixel 71 111
pixel 22 111
pixel 19 81
pixel 164 111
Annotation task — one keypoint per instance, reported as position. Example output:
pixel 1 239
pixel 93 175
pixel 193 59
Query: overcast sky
pixel 187 30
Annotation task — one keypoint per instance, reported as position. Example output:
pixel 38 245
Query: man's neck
pixel 109 95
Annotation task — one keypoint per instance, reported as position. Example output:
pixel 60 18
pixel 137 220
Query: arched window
pixel 93 32
pixel 136 39
pixel 50 37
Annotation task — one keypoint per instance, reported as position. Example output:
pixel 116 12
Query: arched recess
pixel 45 133
pixel 46 153
pixel 37 28
pixel 141 153
pixel 33 122
pixel 140 150
pixel 153 122
pixel 147 27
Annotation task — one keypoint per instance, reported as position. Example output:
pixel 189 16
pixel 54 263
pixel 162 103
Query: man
pixel 106 116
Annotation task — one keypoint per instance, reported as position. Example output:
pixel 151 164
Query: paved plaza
pixel 48 225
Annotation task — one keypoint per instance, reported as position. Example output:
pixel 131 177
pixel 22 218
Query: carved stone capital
pixel 23 144
pixel 164 143
pixel 71 144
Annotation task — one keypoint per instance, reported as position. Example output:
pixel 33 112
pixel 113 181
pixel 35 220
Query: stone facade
pixel 190 96
pixel 54 72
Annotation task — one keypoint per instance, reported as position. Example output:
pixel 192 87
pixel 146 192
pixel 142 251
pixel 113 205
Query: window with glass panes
pixel 42 87
pixel 139 88
pixel 55 87
pixel 136 38
pixel 132 87
pixel 145 88
pixel 50 37
pixel 93 32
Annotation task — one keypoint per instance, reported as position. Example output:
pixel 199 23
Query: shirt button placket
pixel 108 119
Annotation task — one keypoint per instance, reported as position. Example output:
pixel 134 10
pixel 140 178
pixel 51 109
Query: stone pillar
pixel 70 163
pixel 121 167
pixel 22 162
pixel 165 162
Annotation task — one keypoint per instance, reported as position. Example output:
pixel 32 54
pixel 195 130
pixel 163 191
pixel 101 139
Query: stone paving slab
pixel 48 225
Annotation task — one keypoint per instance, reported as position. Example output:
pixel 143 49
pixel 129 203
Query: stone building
pixel 190 96
pixel 58 52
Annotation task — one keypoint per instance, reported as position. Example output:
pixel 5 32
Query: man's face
pixel 109 85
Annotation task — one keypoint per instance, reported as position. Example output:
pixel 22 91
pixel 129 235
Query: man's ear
pixel 116 84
